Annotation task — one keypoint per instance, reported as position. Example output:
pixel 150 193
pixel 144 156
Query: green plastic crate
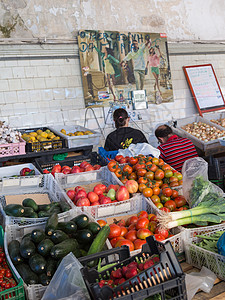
pixel 16 292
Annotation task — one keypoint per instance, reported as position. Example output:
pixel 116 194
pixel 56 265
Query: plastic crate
pixel 34 291
pixel 48 186
pixel 77 141
pixel 45 163
pixel 12 149
pixel 17 292
pixel 42 146
pixel 199 257
pixel 164 278
pixel 107 155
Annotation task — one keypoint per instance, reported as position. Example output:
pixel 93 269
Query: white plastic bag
pixel 67 282
pixel 140 148
pixel 203 280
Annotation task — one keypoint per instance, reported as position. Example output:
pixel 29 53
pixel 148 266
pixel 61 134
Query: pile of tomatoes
pixel 6 278
pixel 133 230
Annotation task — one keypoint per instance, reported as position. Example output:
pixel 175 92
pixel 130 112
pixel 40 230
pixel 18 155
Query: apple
pixel 105 200
pixel 83 202
pixel 95 203
pixel 112 186
pixel 66 171
pixel 80 194
pixel 88 168
pixel 132 186
pixel 71 194
pixel 97 167
pixel 122 194
pixel 78 187
pixel 75 169
pixel 101 187
pixel 93 197
pixel 83 164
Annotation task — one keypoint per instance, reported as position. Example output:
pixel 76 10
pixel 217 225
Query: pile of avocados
pixel 30 209
pixel 39 253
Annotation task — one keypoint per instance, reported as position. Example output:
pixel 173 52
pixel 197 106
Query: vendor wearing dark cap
pixel 124 135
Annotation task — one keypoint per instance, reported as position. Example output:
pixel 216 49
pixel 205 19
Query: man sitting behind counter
pixel 174 150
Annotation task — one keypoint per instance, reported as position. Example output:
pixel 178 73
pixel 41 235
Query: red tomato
pixel 150 175
pixel 159 237
pixel 123 160
pixel 175 193
pixel 132 176
pixel 166 167
pixel 165 209
pixel 155 199
pixel 180 201
pixel 141 172
pixel 133 160
pixel 171 205
pixel 131 235
pixel 118 157
pixel 115 231
pixel 141 187
pixel 123 231
pixel 162 232
pixel 164 198
pixel 131 220
pixel 168 173
pixel 142 214
pixel 138 244
pixel 127 169
pixel 147 192
pixel 167 192
pixel 142 223
pixel 102 222
pixel 118 173
pixel 114 240
pixel 159 174
pixel 112 166
pixel 125 242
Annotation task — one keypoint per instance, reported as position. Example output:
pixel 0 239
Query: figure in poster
pixel 154 62
pixel 137 55
pixel 111 67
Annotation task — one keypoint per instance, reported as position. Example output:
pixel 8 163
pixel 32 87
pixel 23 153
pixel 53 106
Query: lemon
pixel 38 137
pixel 44 134
pixel 39 131
pixel 32 138
pixel 51 135
pixel 78 133
pixel 47 130
pixel 63 131
pixel 56 138
pixel 88 132
pixel 33 133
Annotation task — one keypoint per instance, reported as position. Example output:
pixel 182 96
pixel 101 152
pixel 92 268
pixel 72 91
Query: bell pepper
pixel 25 171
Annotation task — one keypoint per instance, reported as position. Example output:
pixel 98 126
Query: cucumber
pixel 14 252
pixel 14 210
pixel 44 207
pixel 44 214
pixel 27 274
pixel 68 227
pixel 64 206
pixel 44 247
pixel 44 279
pixel 62 249
pixel 37 235
pixel 84 236
pixel 50 267
pixel 37 263
pixel 28 211
pixel 99 240
pixel 51 224
pixel 55 209
pixel 59 236
pixel 28 202
pixel 94 227
pixel 81 221
pixel 33 215
pixel 27 248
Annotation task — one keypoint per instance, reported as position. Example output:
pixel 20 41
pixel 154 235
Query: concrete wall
pixel 40 79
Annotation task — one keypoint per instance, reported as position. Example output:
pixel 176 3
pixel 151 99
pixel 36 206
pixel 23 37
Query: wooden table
pixel 217 292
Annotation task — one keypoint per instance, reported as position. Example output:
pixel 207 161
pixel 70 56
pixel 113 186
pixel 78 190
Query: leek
pixel 193 219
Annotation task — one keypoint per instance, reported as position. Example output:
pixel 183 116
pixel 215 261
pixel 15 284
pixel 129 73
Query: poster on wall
pixel 113 64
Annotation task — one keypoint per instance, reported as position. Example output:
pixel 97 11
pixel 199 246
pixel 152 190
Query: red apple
pixel 95 203
pixel 93 197
pixel 122 194
pixel 77 188
pixel 97 167
pixel 105 200
pixel 66 171
pixel 101 187
pixel 80 194
pixel 88 168
pixel 75 169
pixel 71 194
pixel 83 164
pixel 132 186
pixel 112 186
pixel 83 202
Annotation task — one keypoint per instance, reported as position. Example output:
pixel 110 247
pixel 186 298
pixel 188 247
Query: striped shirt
pixel 176 150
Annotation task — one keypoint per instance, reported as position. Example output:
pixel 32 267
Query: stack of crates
pixel 216 170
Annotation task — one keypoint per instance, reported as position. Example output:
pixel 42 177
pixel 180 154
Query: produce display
pixel 30 209
pixel 203 131
pixel 101 194
pixel 82 167
pixel 210 243
pixel 148 171
pixel 8 134
pixel 7 280
pixel 37 256
pixel 220 121
pixel 40 136
pixel 133 230
pixel 76 133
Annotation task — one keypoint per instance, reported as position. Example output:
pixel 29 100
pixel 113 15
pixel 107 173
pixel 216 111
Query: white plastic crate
pixel 199 257
pixel 6 179
pixel 215 116
pixel 77 141
pixel 48 186
pixel 34 291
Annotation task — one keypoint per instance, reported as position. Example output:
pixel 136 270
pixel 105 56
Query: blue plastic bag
pixel 221 244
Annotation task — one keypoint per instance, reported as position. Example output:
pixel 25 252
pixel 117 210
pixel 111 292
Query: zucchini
pixel 14 210
pixel 50 267
pixel 33 215
pixel 84 236
pixel 81 221
pixel 64 206
pixel 44 247
pixel 28 211
pixel 55 209
pixel 44 207
pixel 51 224
pixel 37 235
pixel 27 274
pixel 28 202
pixel 14 252
pixel 94 227
pixel 43 214
pixel 68 227
pixel 27 248
pixel 58 236
pixel 44 279
pixel 37 263
pixel 99 240
pixel 62 249
pixel 77 253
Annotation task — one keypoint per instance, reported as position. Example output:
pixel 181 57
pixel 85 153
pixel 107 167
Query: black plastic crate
pixel 216 167
pixel 43 146
pixel 44 163
pixel 114 255
pixel 165 277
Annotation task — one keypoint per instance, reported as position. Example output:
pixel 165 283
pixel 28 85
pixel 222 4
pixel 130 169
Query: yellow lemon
pixel 39 131
pixel 56 138
pixel 88 132
pixel 79 133
pixel 33 133
pixel 32 138
pixel 47 130
pixel 44 134
pixel 63 131
pixel 51 135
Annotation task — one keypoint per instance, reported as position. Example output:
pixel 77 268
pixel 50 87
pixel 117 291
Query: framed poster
pixel 113 64
pixel 204 87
